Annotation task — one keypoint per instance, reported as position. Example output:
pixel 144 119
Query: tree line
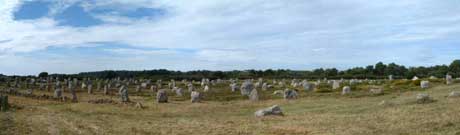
pixel 377 71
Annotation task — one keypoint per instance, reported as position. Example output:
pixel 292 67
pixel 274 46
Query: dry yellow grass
pixel 312 114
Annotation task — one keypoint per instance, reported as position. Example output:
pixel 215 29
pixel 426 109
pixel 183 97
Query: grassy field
pixel 313 113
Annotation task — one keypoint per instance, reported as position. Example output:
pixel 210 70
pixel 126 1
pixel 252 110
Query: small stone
pixel 274 110
pixel 346 90
pixel 254 95
pixel 278 92
pixel 195 97
pixel 424 84
pixel 290 94
pixel 162 97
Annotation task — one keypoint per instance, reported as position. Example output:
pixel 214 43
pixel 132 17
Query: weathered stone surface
pixel 307 86
pixel 178 91
pixel 124 93
pixel 335 84
pixel 233 87
pixel 346 90
pixel 162 96
pixel 424 84
pixel 246 88
pixel 254 95
pixel 206 88
pixel 290 94
pixel 424 98
pixel 58 93
pixel 274 110
pixel 449 80
pixel 195 97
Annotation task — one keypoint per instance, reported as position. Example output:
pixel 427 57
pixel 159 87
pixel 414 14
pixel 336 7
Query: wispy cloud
pixel 236 34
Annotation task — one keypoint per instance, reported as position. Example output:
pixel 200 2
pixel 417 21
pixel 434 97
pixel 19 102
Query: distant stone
pixel 424 98
pixel 58 93
pixel 290 94
pixel 195 97
pixel 424 84
pixel 449 80
pixel 346 90
pixel 376 91
pixel 162 96
pixel 274 110
pixel 254 95
pixel 414 78
pixel 206 88
pixel 264 87
pixel 307 86
pixel 233 87
pixel 335 84
pixel 178 92
pixel 124 93
pixel 278 92
pixel 246 88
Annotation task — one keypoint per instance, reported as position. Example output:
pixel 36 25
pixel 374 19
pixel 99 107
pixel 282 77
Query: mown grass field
pixel 313 113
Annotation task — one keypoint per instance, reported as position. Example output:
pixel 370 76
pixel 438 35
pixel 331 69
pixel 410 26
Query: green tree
pixel 455 68
pixel 43 74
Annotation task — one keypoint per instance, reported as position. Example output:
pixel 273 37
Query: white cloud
pixel 247 33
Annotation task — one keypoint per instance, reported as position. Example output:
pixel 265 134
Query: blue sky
pixel 71 36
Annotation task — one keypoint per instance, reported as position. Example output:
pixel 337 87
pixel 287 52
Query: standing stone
pixel 178 91
pixel 106 89
pixel 99 84
pixel 424 84
pixel 307 86
pixel 233 87
pixel 390 77
pixel 206 88
pixel 72 92
pixel 274 110
pixel 138 88
pixel 264 87
pixel 58 90
pixel 449 80
pixel 335 84
pixel 290 94
pixel 153 89
pixel 124 94
pixel 346 90
pixel 162 97
pixel 90 89
pixel 190 87
pixel 195 97
pixel 254 96
pixel 246 88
